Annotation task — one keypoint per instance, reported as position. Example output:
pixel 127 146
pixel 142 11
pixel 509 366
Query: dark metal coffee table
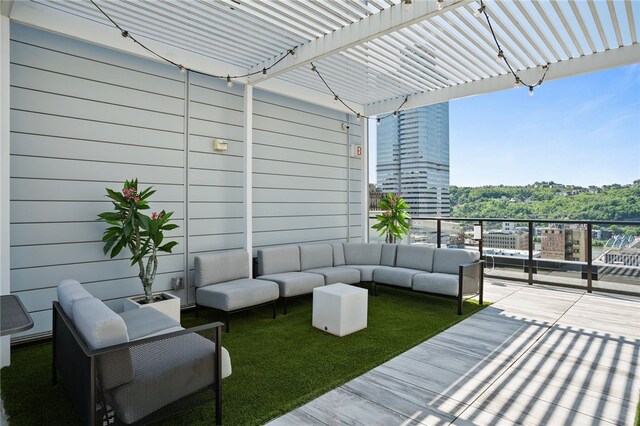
pixel 14 317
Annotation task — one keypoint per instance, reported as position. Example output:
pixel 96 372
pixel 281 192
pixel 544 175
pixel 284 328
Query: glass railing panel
pixel 505 246
pixel 616 258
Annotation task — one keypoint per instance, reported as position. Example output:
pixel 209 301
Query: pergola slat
pixel 632 25
pixel 614 21
pixel 596 19
pixel 583 27
pixel 567 27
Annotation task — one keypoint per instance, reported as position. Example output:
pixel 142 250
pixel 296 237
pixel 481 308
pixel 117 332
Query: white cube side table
pixel 340 309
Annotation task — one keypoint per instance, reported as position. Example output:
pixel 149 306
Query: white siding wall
pixel 84 118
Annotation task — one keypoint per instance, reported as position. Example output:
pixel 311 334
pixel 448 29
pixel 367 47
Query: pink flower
pixel 136 199
pixel 154 216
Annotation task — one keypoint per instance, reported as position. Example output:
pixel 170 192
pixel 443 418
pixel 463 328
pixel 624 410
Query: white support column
pixel 5 288
pixel 365 181
pixel 248 171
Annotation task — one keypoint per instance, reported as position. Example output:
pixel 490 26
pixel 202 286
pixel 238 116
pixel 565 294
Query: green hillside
pixel 548 200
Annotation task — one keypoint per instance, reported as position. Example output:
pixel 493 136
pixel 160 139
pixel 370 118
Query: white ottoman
pixel 340 309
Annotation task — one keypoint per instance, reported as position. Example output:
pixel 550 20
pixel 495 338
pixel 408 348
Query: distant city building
pixel 508 226
pixel 564 244
pixel 375 196
pixel 626 257
pixel 506 240
pixel 413 158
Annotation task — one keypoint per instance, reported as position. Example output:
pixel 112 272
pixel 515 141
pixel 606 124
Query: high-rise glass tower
pixel 413 158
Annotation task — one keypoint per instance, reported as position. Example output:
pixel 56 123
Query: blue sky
pixel 583 130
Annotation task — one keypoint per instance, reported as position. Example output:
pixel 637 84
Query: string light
pixel 407 5
pixel 378 121
pixel 440 4
pixel 501 56
pixel 229 78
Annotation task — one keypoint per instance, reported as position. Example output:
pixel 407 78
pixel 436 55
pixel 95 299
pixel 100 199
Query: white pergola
pixel 373 53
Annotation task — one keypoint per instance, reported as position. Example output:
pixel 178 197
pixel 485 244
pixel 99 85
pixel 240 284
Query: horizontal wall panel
pixel 204 144
pixel 262 96
pixel 214 194
pixel 282 167
pixel 61 254
pixel 63 211
pixel 298 156
pixel 74 128
pixel 297 209
pixel 271 110
pixel 215 210
pixel 213 226
pixel 215 177
pixel 262 224
pixel 200 160
pixel 215 129
pixel 54 168
pixel 298 182
pixel 269 195
pixel 74 190
pixel 50 276
pixel 261 137
pixel 46 103
pixel 56 147
pixel 297 129
pixel 215 113
pixel 262 239
pixel 204 243
pixel 91 90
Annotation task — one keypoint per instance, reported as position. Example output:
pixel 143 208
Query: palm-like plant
pixel 141 234
pixel 394 219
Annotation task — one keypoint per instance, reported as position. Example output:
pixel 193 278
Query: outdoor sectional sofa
pixel 298 269
pixel 133 363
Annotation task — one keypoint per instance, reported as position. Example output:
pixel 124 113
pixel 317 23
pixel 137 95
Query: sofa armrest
pixel 470 281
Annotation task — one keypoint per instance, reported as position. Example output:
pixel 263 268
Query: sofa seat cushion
pixel 338 274
pixel 295 283
pixel 366 271
pixel 446 284
pixel 237 294
pixel 401 277
pixel 144 322
pixel 166 371
pixel 70 291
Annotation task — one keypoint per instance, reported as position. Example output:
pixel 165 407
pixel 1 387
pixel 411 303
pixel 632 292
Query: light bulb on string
pixel 518 83
pixel 229 82
pixel 378 121
pixel 313 69
pixel 479 11
pixel 530 90
pixel 336 99
pixel 293 53
pixel 500 56
pixel 407 5
pixel 440 4
pixel 359 117
pixel 264 71
pixel 182 69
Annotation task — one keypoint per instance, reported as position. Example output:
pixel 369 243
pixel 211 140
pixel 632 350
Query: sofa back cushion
pixel 221 267
pixel 389 254
pixel 447 261
pixel 100 327
pixel 315 256
pixel 70 291
pixel 338 254
pixel 362 253
pixel 415 257
pixel 276 260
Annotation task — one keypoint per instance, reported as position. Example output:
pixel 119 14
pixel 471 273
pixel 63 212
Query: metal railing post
pixel 480 241
pixel 439 232
pixel 589 259
pixel 530 274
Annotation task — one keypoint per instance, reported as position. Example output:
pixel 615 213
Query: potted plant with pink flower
pixel 142 235
pixel 394 219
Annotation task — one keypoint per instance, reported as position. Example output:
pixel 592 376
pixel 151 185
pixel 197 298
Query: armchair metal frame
pixel 76 364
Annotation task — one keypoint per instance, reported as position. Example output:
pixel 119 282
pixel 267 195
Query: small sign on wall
pixel 356 151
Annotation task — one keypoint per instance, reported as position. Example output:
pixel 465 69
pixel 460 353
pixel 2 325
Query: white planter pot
pixel 170 306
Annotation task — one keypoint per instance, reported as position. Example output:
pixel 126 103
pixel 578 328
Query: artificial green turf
pixel 277 364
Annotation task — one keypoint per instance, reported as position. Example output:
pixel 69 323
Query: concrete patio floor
pixel 538 355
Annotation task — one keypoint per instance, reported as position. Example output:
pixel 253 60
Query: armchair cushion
pixel 338 254
pixel 366 271
pixel 315 256
pixel 144 322
pixel 415 257
pixel 237 294
pixel 362 254
pixel 221 267
pixel 447 261
pixel 295 283
pixel 338 274
pixel 388 257
pixel 276 260
pixel 70 291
